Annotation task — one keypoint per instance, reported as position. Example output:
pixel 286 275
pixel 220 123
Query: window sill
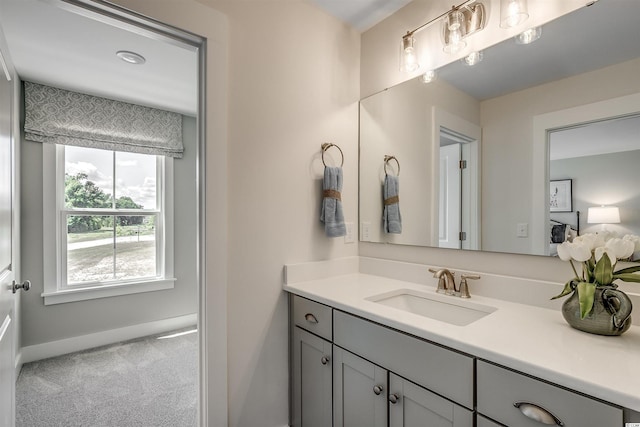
pixel 105 291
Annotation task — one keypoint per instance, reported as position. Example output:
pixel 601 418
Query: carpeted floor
pixel 147 382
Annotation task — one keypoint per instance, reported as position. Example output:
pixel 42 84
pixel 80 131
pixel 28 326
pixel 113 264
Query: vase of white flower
pixel 610 314
pixel 595 305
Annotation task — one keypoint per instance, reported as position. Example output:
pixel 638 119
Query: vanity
pixel 363 353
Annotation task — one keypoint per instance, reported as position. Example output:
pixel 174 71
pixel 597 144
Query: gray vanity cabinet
pixel 359 391
pixel 414 406
pixel 312 361
pixel 311 364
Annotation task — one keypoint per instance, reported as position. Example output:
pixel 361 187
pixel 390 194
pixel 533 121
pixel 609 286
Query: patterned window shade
pixel 62 117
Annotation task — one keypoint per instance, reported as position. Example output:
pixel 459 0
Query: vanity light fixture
pixel 429 76
pixel 459 22
pixel 454 31
pixel 529 36
pixel 473 58
pixel 513 13
pixel 131 57
pixel 408 56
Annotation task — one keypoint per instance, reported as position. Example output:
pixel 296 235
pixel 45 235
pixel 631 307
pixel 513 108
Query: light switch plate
pixel 349 237
pixel 365 230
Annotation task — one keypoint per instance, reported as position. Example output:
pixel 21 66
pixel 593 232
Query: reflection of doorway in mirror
pixel 457 201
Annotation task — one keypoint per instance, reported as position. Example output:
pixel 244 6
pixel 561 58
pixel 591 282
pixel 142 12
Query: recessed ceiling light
pixel 131 57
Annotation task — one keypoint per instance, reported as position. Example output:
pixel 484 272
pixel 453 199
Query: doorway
pixel 36 311
pixel 457 147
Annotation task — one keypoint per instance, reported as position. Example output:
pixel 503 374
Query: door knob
pixel 26 285
pixel 393 398
pixel 377 389
pixel 324 360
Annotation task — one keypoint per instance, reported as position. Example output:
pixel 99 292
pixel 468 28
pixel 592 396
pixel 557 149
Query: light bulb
pixel 529 36
pixel 473 58
pixel 429 76
pixel 456 43
pixel 409 59
pixel 513 13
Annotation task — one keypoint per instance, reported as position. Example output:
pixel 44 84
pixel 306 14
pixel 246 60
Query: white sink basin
pixel 444 308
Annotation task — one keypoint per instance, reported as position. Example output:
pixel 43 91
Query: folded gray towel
pixel 331 214
pixel 391 215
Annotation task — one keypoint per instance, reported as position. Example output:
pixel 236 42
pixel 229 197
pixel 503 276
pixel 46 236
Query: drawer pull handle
pixel 538 413
pixel 310 318
pixel 324 360
pixel 377 389
pixel 393 398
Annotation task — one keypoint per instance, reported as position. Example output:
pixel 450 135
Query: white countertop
pixel 533 340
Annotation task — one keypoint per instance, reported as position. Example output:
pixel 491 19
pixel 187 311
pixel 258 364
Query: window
pixel 112 223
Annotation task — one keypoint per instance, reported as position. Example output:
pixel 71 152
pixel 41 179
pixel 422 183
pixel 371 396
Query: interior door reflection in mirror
pixel 495 103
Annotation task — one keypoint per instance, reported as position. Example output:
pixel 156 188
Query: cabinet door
pixel 414 406
pixel 311 380
pixel 359 391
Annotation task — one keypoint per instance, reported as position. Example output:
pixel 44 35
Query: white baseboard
pixel 36 352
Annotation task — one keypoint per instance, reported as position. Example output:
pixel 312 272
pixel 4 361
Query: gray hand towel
pixel 331 214
pixel 391 215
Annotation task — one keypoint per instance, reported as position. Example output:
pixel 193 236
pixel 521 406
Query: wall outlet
pixel 522 230
pixel 365 231
pixel 349 237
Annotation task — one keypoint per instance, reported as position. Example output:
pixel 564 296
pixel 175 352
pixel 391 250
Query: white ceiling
pixel 361 14
pixel 57 47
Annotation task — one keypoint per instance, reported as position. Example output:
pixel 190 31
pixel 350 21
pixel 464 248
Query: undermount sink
pixel 440 307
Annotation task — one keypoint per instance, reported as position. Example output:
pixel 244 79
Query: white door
pixel 8 234
pixel 450 197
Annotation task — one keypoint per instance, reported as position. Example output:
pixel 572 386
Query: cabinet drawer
pixel 446 372
pixel 312 316
pixel 499 389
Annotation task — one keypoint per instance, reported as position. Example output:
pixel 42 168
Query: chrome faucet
pixel 446 281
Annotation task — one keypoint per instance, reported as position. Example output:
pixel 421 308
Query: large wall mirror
pixel 485 150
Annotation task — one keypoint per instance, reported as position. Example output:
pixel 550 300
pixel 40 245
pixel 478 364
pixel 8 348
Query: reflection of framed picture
pixel 560 199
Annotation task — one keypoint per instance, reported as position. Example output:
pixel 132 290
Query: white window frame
pixel 56 290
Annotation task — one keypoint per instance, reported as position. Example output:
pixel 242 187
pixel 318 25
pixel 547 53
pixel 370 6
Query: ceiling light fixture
pixel 473 58
pixel 529 36
pixel 131 57
pixel 513 13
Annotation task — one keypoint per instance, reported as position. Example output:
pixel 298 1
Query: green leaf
pixel 589 266
pixel 632 269
pixel 627 277
pixel 604 271
pixel 586 291
pixel 566 291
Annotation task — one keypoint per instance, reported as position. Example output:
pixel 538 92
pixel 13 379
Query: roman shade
pixel 60 116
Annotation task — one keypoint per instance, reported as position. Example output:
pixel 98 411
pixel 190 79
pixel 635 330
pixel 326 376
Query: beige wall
pixel 293 84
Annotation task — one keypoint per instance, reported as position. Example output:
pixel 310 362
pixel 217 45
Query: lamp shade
pixel 603 215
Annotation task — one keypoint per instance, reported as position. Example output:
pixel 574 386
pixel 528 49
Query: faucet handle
pixel 464 287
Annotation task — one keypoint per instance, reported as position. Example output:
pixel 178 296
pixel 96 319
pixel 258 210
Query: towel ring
pixel 387 159
pixel 328 145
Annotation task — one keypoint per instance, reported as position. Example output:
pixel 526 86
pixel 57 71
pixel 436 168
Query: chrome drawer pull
pixel 538 413
pixel 377 389
pixel 324 360
pixel 393 398
pixel 310 318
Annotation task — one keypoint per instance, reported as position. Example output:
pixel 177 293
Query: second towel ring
pixel 387 159
pixel 328 145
